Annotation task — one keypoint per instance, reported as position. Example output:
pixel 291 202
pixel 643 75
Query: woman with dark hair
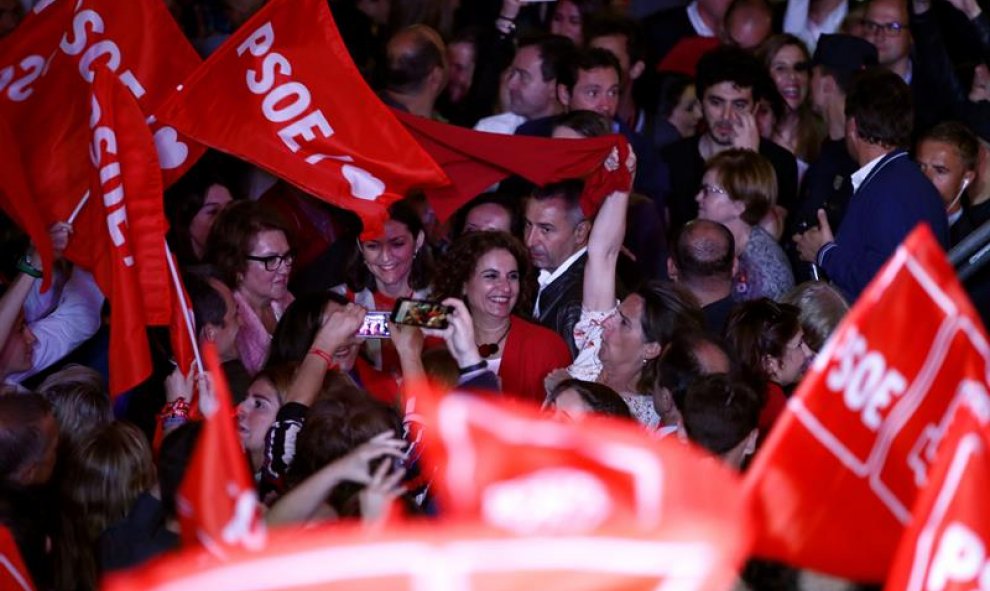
pixel 620 345
pixel 678 109
pixel 798 129
pixel 768 343
pixel 250 248
pixel 569 17
pixel 396 264
pixel 492 273
pixel 738 190
pixel 193 203
pixel 572 399
pixel 488 211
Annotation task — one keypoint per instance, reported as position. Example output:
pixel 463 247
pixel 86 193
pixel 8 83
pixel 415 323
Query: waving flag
pixel 856 443
pixel 120 231
pixel 475 160
pixel 46 69
pixel 13 574
pixel 945 547
pixel 283 93
pixel 218 506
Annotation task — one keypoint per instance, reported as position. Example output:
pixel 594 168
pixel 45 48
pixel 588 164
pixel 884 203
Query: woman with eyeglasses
pixel 397 263
pixel 798 129
pixel 768 344
pixel 738 189
pixel 250 248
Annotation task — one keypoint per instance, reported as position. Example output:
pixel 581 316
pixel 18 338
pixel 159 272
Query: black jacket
pixel 560 302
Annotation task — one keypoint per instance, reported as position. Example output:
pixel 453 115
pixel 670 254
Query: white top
pixel 503 123
pixel 860 175
pixel 545 277
pixel 797 23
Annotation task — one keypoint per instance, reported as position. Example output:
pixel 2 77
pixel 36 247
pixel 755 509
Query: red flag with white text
pixel 848 456
pixel 283 93
pixel 16 200
pixel 217 504
pixel 475 160
pixel 945 546
pixel 47 66
pixel 119 233
pixel 517 470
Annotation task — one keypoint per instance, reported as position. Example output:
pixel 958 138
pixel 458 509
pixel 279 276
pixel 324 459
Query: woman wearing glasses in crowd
pixel 250 248
pixel 395 264
pixel 738 190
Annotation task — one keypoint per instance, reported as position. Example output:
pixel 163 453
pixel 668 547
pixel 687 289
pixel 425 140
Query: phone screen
pixel 375 326
pixel 421 313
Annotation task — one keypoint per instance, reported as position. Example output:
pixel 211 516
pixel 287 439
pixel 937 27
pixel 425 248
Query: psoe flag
pixel 283 93
pixel 945 547
pixel 834 484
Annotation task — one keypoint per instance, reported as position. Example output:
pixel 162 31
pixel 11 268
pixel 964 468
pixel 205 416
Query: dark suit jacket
pixel 892 200
pixel 663 30
pixel 560 303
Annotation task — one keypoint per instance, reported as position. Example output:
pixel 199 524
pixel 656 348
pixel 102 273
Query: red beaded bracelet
pixel 328 358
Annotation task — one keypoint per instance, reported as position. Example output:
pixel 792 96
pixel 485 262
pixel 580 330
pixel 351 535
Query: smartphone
pixel 421 313
pixel 375 326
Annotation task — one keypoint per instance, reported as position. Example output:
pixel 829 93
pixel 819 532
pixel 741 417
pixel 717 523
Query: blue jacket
pixel 893 199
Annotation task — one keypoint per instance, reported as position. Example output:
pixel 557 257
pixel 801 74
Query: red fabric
pixel 945 546
pixel 120 233
pixel 846 458
pixel 52 58
pixel 775 404
pixel 16 199
pixel 283 93
pixel 217 503
pixel 684 56
pixel 379 384
pixel 531 352
pixel 14 575
pixel 475 160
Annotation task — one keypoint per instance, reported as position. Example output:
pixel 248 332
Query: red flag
pixel 945 547
pixel 283 93
pixel 120 233
pixel 46 70
pixel 455 557
pixel 16 199
pixel 13 574
pixel 475 160
pixel 218 506
pixel 848 456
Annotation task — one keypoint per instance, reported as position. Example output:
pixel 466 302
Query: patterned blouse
pixel 764 270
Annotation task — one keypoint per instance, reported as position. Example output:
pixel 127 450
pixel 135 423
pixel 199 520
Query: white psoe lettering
pixel 105 144
pixel 961 558
pixel 867 386
pixel 290 102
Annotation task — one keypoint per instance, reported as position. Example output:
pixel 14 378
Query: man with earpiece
pixel 948 156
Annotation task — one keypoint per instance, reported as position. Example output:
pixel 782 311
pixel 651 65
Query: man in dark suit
pixel 730 82
pixel 556 234
pixel 890 194
pixel 703 260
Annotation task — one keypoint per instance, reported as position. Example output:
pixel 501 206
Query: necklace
pixel 486 350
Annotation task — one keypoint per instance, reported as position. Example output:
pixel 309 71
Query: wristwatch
pixel 24 266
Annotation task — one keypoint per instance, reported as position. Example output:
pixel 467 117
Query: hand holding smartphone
pixel 421 313
pixel 375 326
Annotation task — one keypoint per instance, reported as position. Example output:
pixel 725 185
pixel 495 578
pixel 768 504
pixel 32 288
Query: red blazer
pixel 531 352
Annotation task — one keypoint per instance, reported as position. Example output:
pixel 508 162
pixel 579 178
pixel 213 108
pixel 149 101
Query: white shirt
pixel 503 123
pixel 697 22
pixel 860 175
pixel 546 277
pixel 797 23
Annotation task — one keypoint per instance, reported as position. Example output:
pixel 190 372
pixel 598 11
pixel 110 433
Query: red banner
pixel 47 67
pixel 120 231
pixel 217 503
pixel 475 160
pixel 13 574
pixel 945 547
pixel 283 93
pixel 848 456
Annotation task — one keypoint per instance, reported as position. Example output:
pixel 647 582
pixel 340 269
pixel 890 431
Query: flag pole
pixel 78 209
pixel 177 283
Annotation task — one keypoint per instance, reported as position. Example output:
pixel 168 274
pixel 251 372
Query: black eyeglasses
pixel 274 261
pixel 874 28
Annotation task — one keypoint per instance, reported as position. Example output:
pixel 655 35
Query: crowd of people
pixel 782 152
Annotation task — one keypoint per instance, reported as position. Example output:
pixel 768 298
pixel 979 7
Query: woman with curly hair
pixel 491 272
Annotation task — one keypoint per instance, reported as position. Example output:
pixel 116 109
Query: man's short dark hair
pixel 720 412
pixel 731 64
pixel 556 51
pixel 569 190
pixel 407 71
pixel 880 102
pixel 959 136
pixel 585 123
pixel 609 24
pixel 704 249
pixel 586 60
